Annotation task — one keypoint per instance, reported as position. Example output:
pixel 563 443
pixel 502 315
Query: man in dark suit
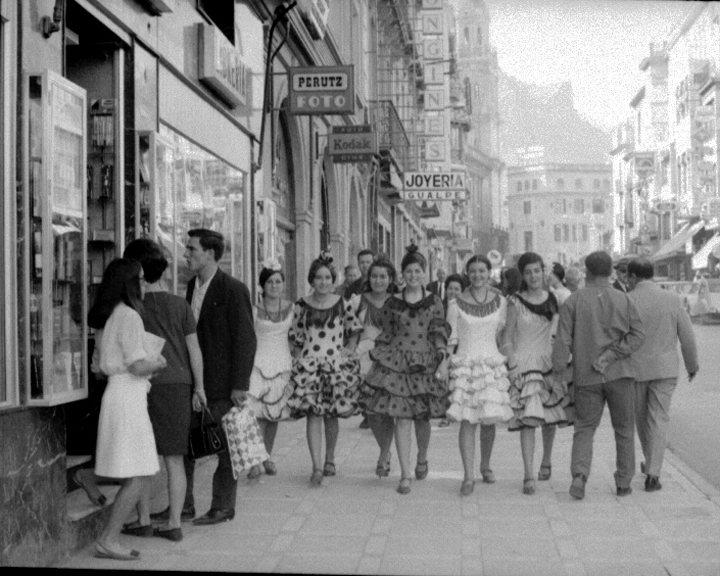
pixel 437 287
pixel 621 274
pixel 223 310
pixel 365 258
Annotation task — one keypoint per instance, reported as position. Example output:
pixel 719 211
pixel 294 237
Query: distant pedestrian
pixel 536 396
pixel 511 281
pixel 126 443
pixel 437 286
pixel 573 279
pixel 364 259
pixel 478 375
pixel 621 274
pixel 174 390
pixel 351 274
pixel 655 364
pixel 408 379
pixel 601 327
pixel 223 311
pixel 270 386
pixel 372 314
pixel 326 370
pixel 556 282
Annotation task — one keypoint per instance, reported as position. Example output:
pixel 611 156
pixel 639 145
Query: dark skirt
pixel 170 406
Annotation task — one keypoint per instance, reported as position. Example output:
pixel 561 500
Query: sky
pixel 596 44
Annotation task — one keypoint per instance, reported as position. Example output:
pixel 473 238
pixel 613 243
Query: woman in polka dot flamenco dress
pixel 326 369
pixel 408 380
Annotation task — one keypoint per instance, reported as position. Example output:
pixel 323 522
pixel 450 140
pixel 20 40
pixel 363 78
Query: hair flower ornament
pixel 272 264
pixel 325 258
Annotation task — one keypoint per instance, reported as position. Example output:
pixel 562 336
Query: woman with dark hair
pixel 270 386
pixel 126 444
pixel 326 371
pixel 171 396
pixel 536 397
pixel 511 281
pixel 478 376
pixel 370 311
pixel 407 380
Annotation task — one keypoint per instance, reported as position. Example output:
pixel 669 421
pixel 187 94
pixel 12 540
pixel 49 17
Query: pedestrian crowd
pixel 533 351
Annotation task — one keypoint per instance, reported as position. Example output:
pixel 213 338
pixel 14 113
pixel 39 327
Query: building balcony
pixel 393 139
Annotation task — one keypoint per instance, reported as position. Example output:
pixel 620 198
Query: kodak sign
pixel 353 143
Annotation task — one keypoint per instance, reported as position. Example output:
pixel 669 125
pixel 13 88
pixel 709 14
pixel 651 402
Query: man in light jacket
pixel 655 364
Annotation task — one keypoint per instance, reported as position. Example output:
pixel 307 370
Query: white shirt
pixel 199 295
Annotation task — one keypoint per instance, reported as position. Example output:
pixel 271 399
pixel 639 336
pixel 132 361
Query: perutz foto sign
pixel 434 186
pixel 353 143
pixel 322 90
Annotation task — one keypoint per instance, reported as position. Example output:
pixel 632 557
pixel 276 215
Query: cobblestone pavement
pixel 357 524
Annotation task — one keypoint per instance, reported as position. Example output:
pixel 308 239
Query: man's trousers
pixel 652 418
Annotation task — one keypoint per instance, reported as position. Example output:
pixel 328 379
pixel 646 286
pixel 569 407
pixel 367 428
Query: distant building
pixel 561 211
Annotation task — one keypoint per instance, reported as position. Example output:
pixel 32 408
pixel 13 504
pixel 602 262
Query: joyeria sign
pixel 322 90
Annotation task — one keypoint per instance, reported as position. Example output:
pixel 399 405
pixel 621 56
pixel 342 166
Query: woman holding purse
pixel 126 444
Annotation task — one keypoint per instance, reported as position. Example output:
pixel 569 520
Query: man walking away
pixel 225 328
pixel 601 327
pixel 656 365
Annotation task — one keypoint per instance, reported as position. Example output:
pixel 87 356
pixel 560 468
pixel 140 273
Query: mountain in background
pixel 546 116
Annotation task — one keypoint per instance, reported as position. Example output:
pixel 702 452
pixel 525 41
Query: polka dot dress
pixel 325 377
pixel 402 381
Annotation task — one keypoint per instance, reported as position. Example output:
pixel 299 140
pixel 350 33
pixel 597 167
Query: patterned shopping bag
pixel 245 443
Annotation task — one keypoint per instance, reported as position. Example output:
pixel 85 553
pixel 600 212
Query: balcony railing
pixel 392 136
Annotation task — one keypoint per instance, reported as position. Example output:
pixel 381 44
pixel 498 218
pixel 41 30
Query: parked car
pixel 701 298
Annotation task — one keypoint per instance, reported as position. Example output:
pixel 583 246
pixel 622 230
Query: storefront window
pixel 195 189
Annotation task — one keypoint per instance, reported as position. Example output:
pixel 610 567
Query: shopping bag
pixel 205 440
pixel 245 443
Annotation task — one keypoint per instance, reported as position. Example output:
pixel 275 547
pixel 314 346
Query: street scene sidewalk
pixel 358 524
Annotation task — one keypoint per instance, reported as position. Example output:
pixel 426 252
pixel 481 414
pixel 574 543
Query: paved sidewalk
pixel 357 523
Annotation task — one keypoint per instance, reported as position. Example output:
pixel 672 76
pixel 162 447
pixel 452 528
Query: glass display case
pixel 57 308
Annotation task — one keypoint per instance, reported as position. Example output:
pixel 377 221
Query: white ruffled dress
pixel 478 376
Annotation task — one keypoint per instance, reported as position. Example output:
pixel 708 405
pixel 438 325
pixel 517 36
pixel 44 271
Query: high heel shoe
pixel 404 486
pixel 421 470
pixel 545 472
pixel 529 486
pixel 317 477
pixel 382 470
pixel 467 487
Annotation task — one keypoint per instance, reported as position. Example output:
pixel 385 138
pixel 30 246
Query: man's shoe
pixel 140 531
pixel 652 484
pixel 577 488
pixel 186 515
pixel 214 516
pixel 624 491
pixel 173 534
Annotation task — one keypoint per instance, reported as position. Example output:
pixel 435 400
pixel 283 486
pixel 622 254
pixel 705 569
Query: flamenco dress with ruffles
pixel 536 396
pixel 402 382
pixel 478 375
pixel 372 318
pixel 325 377
pixel 270 386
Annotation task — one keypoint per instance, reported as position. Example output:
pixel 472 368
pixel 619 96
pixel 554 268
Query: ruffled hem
pixel 405 385
pixel 269 396
pixel 405 361
pixel 420 407
pixel 537 399
pixel 479 390
pixel 272 369
pixel 325 388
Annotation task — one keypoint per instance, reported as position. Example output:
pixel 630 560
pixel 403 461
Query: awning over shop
pixel 700 260
pixel 678 241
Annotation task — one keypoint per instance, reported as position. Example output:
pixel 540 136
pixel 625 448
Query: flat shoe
pixel 214 516
pixel 92 491
pixel 488 476
pixel 404 486
pixel 269 466
pixel 421 470
pixel 104 552
pixel 186 515
pixel 529 486
pixel 329 469
pixel 542 475
pixel 467 487
pixel 140 531
pixel 174 534
pixel 255 472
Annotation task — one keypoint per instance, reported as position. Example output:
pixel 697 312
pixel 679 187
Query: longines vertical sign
pixel 322 90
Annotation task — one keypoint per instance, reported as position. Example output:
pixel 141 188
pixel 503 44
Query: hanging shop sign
pixel 434 195
pixel 221 67
pixel 353 143
pixel 439 181
pixel 322 90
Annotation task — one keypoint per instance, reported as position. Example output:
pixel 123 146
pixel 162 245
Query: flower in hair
pixel 411 249
pixel 272 264
pixel 325 258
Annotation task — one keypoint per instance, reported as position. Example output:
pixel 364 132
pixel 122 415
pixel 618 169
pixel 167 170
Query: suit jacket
pixel 665 322
pixel 226 334
pixel 434 287
pixel 355 288
pixel 619 286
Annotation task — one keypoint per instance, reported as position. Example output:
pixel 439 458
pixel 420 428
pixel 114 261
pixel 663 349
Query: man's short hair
pixel 209 239
pixel 599 264
pixel 366 252
pixel 350 267
pixel 641 268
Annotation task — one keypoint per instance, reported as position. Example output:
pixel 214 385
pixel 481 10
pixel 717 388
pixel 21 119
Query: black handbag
pixel 205 440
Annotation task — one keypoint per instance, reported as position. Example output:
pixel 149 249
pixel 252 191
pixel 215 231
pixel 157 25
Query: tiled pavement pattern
pixel 357 523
